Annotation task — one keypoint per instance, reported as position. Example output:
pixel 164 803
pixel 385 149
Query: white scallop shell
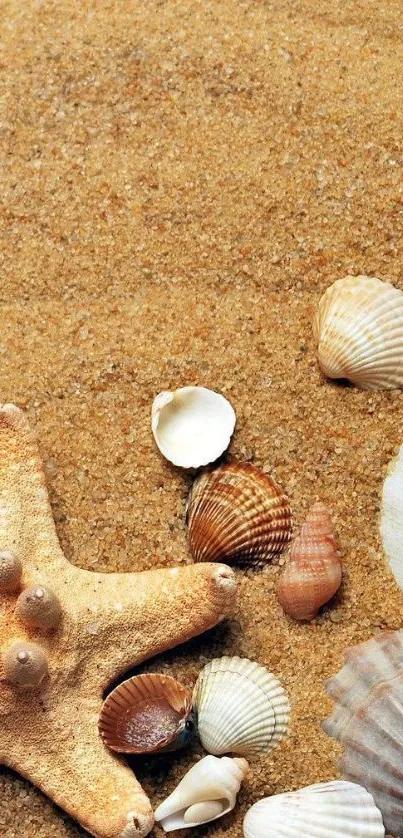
pixel 368 721
pixel 192 426
pixel 359 329
pixel 391 526
pixel 241 708
pixel 326 810
pixel 207 792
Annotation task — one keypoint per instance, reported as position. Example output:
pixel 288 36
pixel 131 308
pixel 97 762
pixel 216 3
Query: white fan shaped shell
pixel 392 517
pixel 210 779
pixel 241 707
pixel 192 426
pixel 359 329
pixel 368 721
pixel 336 809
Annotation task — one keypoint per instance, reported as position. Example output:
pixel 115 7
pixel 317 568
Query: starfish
pixel 67 633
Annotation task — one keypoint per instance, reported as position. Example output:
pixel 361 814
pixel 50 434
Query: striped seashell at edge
pixel 313 572
pixel 240 708
pixel 237 514
pixel 147 714
pixel 336 809
pixel 391 523
pixel 368 721
pixel 359 330
pixel 206 792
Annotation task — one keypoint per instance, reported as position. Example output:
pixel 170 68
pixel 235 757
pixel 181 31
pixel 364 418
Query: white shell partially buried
pixel 391 526
pixel 241 708
pixel 192 426
pixel 368 721
pixel 359 330
pixel 207 792
pixel 326 810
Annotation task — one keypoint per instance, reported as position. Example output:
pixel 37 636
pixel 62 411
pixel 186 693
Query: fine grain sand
pixel 179 183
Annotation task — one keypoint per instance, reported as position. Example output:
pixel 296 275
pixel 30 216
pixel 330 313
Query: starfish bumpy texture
pixel 77 631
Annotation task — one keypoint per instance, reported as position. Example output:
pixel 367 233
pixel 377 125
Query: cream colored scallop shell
pixel 359 330
pixel 237 514
pixel 241 708
pixel 368 721
pixel 326 810
pixel 207 792
pixel 192 426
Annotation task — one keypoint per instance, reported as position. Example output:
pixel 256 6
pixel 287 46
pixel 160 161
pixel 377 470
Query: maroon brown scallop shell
pixel 147 714
pixel 237 514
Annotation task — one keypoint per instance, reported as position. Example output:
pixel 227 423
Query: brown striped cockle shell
pixel 313 573
pixel 147 714
pixel 237 514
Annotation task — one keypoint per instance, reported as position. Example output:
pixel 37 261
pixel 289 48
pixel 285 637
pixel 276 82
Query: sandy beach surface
pixel 179 183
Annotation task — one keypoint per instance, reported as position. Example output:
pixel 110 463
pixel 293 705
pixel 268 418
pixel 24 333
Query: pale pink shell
pixel 313 573
pixel 368 721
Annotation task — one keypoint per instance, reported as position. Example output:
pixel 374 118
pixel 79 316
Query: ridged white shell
pixel 368 721
pixel 237 514
pixel 326 810
pixel 392 517
pixel 192 426
pixel 359 329
pixel 241 708
pixel 207 792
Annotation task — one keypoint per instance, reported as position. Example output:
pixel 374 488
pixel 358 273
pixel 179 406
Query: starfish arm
pixel 108 623
pixel 67 760
pixel 26 521
pixel 132 617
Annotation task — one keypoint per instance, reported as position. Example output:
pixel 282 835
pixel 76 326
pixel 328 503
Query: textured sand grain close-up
pixel 180 181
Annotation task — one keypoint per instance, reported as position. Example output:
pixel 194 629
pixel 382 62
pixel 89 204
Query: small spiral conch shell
pixel 237 514
pixel 192 426
pixel 207 792
pixel 359 330
pixel 368 721
pixel 326 810
pixel 147 714
pixel 241 708
pixel 313 573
